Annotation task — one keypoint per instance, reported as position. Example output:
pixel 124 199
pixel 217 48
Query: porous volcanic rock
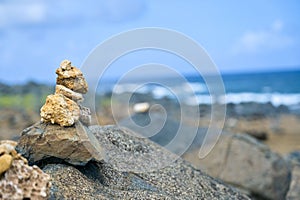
pixel 20 181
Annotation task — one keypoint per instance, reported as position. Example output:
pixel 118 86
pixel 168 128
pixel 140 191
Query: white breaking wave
pixel 196 94
pixel 275 99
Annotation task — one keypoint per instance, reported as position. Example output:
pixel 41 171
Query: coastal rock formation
pixel 75 145
pixel 20 181
pixel 132 166
pixel 62 132
pixel 242 161
pixel 62 108
pixel 114 177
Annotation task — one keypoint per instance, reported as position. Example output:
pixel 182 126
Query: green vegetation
pixel 105 101
pixel 27 102
pixel 28 97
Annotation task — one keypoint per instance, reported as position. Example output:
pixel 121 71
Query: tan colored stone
pixel 66 65
pixel 60 89
pixel 7 154
pixel 5 163
pixel 60 110
pixel 75 144
pixel 71 77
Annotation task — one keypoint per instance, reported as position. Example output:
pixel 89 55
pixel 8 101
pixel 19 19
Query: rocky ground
pixel 278 127
pixel 133 168
pixel 258 140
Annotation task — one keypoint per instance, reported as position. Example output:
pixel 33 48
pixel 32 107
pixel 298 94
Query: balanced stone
pixel 71 77
pixel 61 110
pixel 60 89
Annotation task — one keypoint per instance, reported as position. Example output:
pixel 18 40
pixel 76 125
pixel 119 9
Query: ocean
pixel 277 88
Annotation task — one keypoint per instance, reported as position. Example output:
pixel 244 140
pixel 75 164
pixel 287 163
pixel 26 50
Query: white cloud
pixel 263 40
pixel 17 13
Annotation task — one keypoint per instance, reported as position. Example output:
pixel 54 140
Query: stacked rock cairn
pixel 64 107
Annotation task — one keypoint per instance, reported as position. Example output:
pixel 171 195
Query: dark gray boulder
pixel 133 168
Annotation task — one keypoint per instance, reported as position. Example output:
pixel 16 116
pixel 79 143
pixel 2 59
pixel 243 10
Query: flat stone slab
pixel 75 145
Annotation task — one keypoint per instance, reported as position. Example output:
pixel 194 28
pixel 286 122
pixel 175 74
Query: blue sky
pixel 240 36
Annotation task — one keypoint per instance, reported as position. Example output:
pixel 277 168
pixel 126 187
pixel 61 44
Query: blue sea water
pixel 286 82
pixel 278 88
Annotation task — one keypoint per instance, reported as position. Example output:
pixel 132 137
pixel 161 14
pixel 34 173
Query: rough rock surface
pixel 131 171
pixel 242 161
pixel 71 77
pixel 61 110
pixel 20 181
pixel 72 144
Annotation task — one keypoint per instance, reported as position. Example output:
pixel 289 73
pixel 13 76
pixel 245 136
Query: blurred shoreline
pixel 276 125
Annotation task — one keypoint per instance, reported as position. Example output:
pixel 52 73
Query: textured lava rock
pixel 125 173
pixel 18 180
pixel 21 181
